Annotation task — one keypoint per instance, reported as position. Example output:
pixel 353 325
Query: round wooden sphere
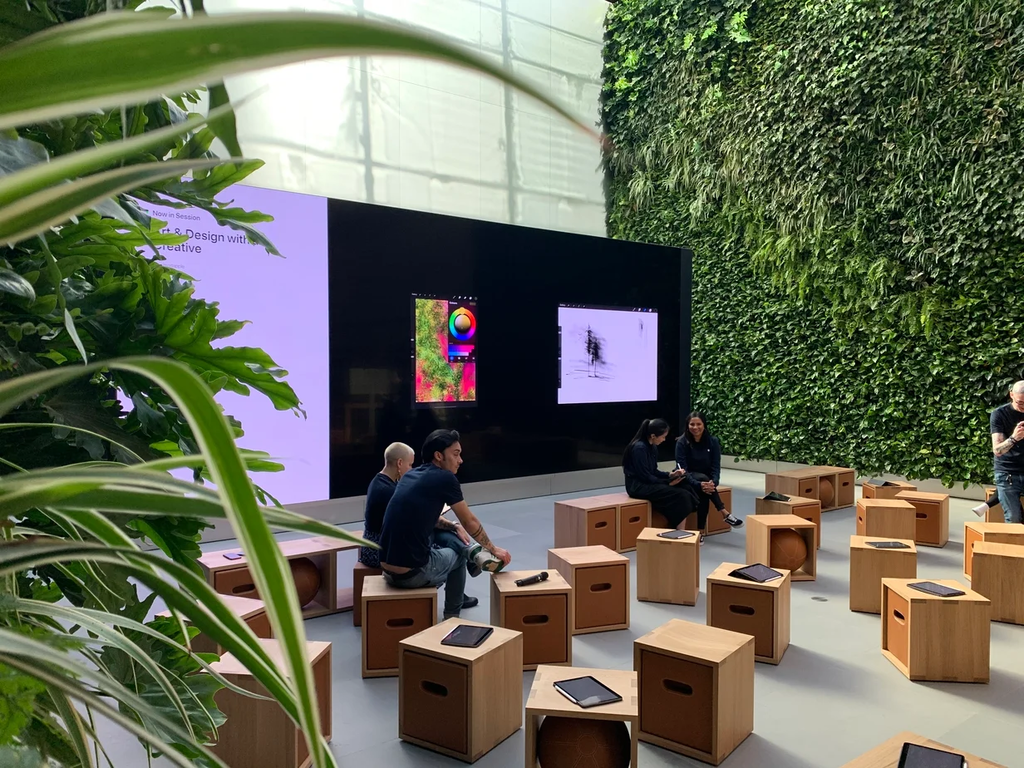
pixel 788 550
pixel 573 742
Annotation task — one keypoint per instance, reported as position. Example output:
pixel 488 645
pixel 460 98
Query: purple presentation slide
pixel 607 355
pixel 285 302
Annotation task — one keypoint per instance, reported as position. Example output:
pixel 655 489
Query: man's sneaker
pixel 735 522
pixel 469 602
pixel 700 541
pixel 981 510
pixel 472 568
pixel 485 561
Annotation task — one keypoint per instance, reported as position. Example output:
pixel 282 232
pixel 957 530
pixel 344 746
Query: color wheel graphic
pixel 462 324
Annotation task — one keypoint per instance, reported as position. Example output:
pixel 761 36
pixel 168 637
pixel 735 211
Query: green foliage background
pixel 848 174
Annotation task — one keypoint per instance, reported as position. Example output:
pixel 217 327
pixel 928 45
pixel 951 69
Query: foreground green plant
pixel 71 528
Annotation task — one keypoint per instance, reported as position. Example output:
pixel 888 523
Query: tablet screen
pixel 888 545
pixel 756 572
pixel 676 534
pixel 935 589
pixel 916 756
pixel 587 691
pixel 467 636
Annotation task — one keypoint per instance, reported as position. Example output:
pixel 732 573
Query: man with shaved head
pixel 398 459
pixel 1007 427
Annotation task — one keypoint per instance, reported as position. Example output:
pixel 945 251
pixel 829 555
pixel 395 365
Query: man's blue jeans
pixel 445 565
pixel 1010 487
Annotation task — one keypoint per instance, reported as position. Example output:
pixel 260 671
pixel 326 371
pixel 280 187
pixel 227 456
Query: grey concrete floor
pixel 832 698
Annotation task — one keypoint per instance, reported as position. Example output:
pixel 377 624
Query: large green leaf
pixel 269 568
pixel 74 689
pixel 24 177
pixel 38 212
pixel 119 58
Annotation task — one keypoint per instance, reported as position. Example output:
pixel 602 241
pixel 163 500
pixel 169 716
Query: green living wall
pixel 849 176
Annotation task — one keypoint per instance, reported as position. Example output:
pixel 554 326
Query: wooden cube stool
pixel 808 509
pixel 769 542
pixel 932 513
pixel 844 483
pixel 997 533
pixel 716 523
pixel 887 754
pixel 253 612
pixel 696 688
pixel 667 570
pixel 869 565
pixel 884 489
pixel 461 702
pixel 544 701
pixel 390 615
pixel 600 587
pixel 886 518
pixel 998 574
pixel 539 611
pixel 611 520
pixel 936 638
pixel 360 572
pixel 758 610
pixel 258 733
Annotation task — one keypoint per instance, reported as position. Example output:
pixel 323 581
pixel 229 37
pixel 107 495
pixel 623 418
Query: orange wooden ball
pixel 788 550
pixel 307 579
pixel 826 492
pixel 572 742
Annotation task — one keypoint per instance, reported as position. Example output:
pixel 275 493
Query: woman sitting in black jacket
pixel 699 455
pixel 667 492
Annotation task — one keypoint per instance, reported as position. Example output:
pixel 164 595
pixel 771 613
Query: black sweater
pixel 641 464
pixel 704 457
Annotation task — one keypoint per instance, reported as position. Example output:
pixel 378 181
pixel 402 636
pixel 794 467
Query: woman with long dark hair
pixel 699 455
pixel 666 491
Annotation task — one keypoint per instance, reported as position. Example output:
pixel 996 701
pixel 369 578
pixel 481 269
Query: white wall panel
pixel 431 137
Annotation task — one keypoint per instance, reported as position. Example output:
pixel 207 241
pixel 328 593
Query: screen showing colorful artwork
pixel 607 354
pixel 444 350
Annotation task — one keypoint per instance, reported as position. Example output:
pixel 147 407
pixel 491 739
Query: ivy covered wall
pixel 850 175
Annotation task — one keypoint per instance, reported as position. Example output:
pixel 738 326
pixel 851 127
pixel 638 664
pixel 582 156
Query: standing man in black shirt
pixel 1007 427
pixel 398 459
pixel 406 555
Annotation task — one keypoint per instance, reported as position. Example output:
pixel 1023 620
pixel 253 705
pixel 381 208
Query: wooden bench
pixel 230 576
pixel 612 520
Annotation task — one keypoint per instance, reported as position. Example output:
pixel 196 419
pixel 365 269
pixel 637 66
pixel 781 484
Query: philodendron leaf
pixel 27 155
pixel 125 58
pixel 16 285
pixel 36 213
pixel 17 153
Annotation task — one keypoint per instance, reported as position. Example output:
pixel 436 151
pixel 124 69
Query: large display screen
pixel 607 354
pixel 439 321
pixel 284 301
pixel 444 336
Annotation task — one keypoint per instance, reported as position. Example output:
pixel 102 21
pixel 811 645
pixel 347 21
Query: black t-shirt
pixel 1004 419
pixel 378 495
pixel 412 514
